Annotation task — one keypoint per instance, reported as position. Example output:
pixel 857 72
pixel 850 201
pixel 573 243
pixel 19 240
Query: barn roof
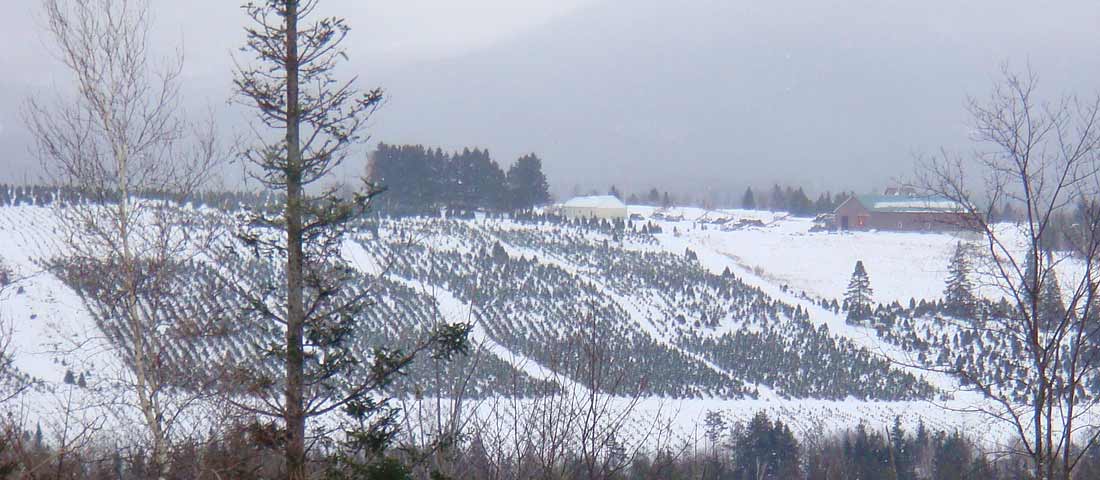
pixel 595 201
pixel 909 204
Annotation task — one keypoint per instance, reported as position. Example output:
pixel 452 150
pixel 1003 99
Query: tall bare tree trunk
pixel 295 409
pixel 322 371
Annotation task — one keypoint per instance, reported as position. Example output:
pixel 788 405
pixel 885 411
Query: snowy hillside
pixel 693 310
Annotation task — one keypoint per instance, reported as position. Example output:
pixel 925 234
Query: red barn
pixel 901 211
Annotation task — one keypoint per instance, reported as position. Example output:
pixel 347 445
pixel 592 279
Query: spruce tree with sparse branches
pixel 312 303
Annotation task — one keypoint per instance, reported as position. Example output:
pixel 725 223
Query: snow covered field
pixel 767 250
pixel 902 265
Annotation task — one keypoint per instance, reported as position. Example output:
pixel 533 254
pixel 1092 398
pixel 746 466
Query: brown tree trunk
pixel 295 416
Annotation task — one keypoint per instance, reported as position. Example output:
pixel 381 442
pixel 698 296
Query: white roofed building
pixel 597 206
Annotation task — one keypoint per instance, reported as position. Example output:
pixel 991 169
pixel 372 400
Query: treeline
pixel 779 199
pixel 1064 230
pixel 792 200
pixel 45 195
pixel 766 449
pixel 761 448
pixel 423 180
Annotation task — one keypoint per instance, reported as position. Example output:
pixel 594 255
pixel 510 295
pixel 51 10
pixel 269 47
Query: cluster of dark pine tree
pixel 792 200
pixel 767 449
pixel 653 197
pixel 422 180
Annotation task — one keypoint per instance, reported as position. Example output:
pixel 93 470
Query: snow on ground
pixel 902 265
pixel 717 260
pixel 452 309
pixel 51 331
pixel 781 252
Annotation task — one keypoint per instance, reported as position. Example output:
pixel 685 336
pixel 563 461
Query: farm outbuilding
pixel 901 210
pixel 599 206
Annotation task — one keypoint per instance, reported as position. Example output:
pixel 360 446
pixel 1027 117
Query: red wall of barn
pixel 853 210
pixel 897 220
pixel 916 221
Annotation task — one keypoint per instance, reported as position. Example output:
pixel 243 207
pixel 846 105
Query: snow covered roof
pixel 596 201
pixel 909 204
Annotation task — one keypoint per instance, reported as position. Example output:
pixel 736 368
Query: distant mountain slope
pixel 710 94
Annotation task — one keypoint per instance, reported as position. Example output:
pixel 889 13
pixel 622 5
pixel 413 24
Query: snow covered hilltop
pixel 711 310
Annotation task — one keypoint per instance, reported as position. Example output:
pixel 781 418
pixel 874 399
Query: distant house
pixel 901 210
pixel 599 206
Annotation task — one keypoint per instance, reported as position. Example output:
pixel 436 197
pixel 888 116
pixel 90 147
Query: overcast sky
pixel 691 96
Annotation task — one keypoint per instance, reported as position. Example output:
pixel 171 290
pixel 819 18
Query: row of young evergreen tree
pixel 423 180
pixel 45 195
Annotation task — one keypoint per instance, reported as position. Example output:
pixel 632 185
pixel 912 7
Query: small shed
pixel 901 211
pixel 599 206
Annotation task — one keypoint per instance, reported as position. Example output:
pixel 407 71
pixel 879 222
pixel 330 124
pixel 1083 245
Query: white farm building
pixel 599 206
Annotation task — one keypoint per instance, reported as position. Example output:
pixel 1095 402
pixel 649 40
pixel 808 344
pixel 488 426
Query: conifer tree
pixel 766 450
pixel 654 197
pixel 311 306
pixel 958 294
pixel 798 203
pixel 779 200
pixel 1052 308
pixel 527 184
pixel 748 201
pixel 857 299
pixel 824 203
pixel 1050 305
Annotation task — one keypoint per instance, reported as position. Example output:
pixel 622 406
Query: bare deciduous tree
pixel 1041 157
pixel 120 144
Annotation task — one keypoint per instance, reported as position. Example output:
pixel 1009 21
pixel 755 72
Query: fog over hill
pixel 830 94
pixel 691 96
